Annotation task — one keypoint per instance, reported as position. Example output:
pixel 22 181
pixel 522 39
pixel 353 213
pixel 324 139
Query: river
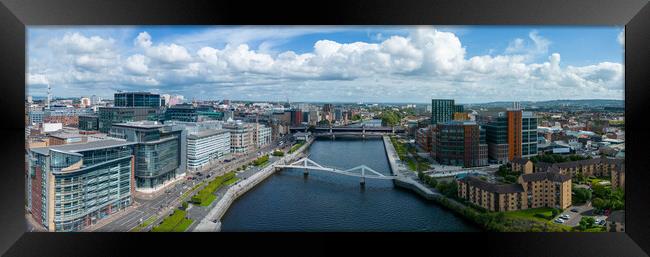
pixel 321 201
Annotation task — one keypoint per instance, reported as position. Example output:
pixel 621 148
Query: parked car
pixel 560 221
pixel 574 210
pixel 602 222
pixel 565 216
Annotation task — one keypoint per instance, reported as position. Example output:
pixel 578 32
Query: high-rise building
pixel 459 108
pixel 522 134
pixel 528 134
pixel 497 139
pixel 442 110
pixel 138 99
pixel 74 186
pixel 160 152
pixel 460 143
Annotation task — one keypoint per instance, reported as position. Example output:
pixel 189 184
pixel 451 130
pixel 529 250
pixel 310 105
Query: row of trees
pixel 449 189
pixel 390 117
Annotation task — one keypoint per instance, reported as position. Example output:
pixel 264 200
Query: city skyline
pixel 474 64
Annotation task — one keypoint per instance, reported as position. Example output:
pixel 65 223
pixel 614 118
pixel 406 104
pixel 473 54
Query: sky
pixel 410 64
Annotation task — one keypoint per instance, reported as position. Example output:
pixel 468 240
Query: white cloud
pixel 37 79
pixel 137 64
pixel 621 37
pixel 167 53
pixel 77 43
pixel 424 60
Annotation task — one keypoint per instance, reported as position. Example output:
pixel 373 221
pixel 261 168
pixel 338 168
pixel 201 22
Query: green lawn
pixel 295 147
pixel 206 195
pixel 596 181
pixel 231 181
pixel 174 223
pixel 534 214
pixel 183 225
pixel 208 200
pixel 261 161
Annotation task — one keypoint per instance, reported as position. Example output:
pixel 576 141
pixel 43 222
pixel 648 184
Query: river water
pixel 322 201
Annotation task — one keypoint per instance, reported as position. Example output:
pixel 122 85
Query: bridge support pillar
pixel 305 172
pixel 363 181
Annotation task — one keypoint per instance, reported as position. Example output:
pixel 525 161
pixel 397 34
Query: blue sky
pixel 330 63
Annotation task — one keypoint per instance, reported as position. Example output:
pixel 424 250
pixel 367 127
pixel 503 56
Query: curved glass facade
pixel 156 162
pixel 78 185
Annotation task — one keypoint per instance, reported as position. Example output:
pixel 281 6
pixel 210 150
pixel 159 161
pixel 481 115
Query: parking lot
pixel 576 213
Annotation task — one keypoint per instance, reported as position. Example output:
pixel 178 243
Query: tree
pixel 581 195
pixel 599 203
pixel 601 191
pixel 586 223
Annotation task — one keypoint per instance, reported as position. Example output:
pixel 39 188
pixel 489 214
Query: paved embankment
pixel 212 221
pixel 403 180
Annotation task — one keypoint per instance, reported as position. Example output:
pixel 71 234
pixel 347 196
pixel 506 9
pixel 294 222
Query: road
pixel 167 199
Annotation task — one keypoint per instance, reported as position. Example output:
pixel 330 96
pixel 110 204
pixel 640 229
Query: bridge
pixel 359 171
pixel 349 131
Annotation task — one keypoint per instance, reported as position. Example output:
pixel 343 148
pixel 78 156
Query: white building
pixel 51 127
pixel 204 147
pixel 263 135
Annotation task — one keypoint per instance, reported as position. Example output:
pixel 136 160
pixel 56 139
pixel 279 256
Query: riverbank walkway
pixel 212 221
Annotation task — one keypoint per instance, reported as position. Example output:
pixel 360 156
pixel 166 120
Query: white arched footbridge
pixel 361 171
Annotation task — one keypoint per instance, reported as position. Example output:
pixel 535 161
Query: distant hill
pixel 556 103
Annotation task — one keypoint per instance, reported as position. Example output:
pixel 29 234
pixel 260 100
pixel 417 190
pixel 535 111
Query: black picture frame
pixel 15 15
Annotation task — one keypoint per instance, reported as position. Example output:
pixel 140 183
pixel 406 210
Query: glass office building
pixel 497 139
pixel 88 122
pixel 160 152
pixel 182 112
pixel 442 110
pixel 528 134
pixel 138 99
pixel 74 186
pixel 107 116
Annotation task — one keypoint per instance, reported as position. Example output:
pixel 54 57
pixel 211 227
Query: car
pixel 560 221
pixel 565 217
pixel 574 210
pixel 602 222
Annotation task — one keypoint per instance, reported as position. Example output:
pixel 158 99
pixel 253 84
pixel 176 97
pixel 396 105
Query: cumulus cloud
pixel 167 53
pixel 537 46
pixel 409 65
pixel 621 37
pixel 137 64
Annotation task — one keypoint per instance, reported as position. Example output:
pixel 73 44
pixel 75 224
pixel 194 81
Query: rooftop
pixel 492 187
pixel 140 124
pixel 551 176
pixel 74 148
pixel 205 133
